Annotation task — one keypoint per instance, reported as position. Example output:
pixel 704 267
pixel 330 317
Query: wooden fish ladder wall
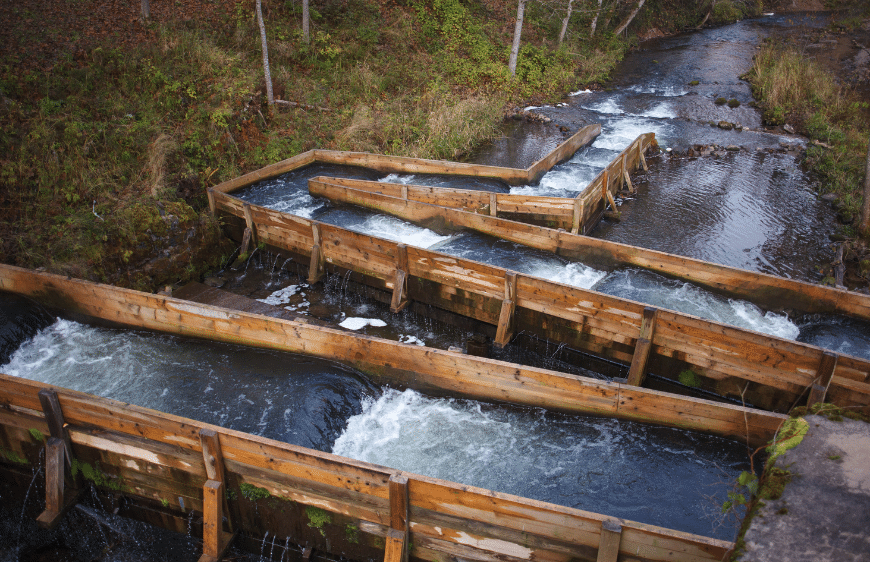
pixel 170 468
pixel 766 371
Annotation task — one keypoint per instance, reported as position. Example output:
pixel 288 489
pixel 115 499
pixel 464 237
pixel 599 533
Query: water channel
pixel 751 208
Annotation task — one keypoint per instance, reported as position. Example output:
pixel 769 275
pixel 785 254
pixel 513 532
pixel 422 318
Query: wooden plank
pixel 395 549
pixel 637 371
pixel 213 459
pixel 505 330
pixel 577 217
pixel 823 378
pixel 400 523
pixel 400 284
pixel 564 151
pixel 249 221
pixel 54 482
pixel 211 202
pixel 628 181
pixel 54 417
pixel 611 534
pixel 214 541
pixel 493 205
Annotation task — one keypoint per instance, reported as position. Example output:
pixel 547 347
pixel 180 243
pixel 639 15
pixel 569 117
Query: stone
pixel 732 148
pixel 829 197
pixel 788 129
pixel 725 125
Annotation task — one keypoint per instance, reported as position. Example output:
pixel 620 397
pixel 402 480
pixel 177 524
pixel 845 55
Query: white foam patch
pixel 397 178
pixel 360 323
pixel 281 296
pixel 562 181
pixel 408 338
pixel 397 230
pixel 574 274
pixel 661 111
pixel 578 92
pixel 617 135
pixel 608 107
pixel 665 92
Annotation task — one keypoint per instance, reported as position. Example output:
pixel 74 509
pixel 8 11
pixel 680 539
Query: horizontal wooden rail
pixel 730 356
pixel 155 456
pixel 399 164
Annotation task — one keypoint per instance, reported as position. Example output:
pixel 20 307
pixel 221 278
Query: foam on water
pixel 655 290
pixel 664 476
pixel 397 230
pixel 578 92
pixel 574 274
pixel 661 111
pixel 360 323
pixel 608 107
pixel 618 134
pixel 661 91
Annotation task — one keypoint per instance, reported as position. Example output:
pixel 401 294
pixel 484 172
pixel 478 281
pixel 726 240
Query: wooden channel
pixel 157 459
pixel 398 164
pixel 765 371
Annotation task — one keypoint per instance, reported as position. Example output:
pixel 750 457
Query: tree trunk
pixel 630 17
pixel 268 73
pixel 146 9
pixel 306 35
pixel 518 31
pixel 864 226
pixel 709 13
pixel 565 23
pixel 595 20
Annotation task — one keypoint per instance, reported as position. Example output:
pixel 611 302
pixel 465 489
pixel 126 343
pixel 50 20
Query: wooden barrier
pixel 724 359
pixel 399 164
pixel 394 363
pixel 577 215
pixel 336 504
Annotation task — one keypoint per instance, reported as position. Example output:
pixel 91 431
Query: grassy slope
pixel 106 158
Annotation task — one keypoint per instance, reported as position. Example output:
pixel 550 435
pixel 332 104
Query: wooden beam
pixel 493 205
pixel 55 471
pixel 505 329
pixel 637 371
pixel 611 201
pixel 249 221
pixel 405 192
pixel 246 241
pixel 611 535
pixel 825 373
pixel 628 181
pixel 400 283
pixel 315 267
pixel 213 459
pixel 578 216
pixel 641 157
pixel 54 418
pixel 211 201
pixel 214 540
pixel 605 184
pixel 397 536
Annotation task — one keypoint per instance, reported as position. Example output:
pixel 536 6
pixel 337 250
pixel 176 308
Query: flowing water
pixel 751 207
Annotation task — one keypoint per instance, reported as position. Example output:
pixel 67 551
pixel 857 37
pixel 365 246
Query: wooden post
pixel 214 540
pixel 493 205
pixel 637 371
pixel 54 419
pixel 628 181
pixel 55 473
pixel 212 206
pixel 641 157
pixel 578 216
pixel 250 222
pixel 214 464
pixel 397 536
pixel 611 535
pixel 605 186
pixel 505 329
pixel 315 267
pixel 400 283
pixel 246 241
pixel 405 192
pixel 622 175
pixel 611 201
pixel 827 366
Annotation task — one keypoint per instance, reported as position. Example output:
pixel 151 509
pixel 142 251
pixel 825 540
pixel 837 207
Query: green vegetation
pixel 12 456
pixel 317 518
pixel 253 493
pixel 689 378
pixel 37 435
pixel 793 88
pixel 96 476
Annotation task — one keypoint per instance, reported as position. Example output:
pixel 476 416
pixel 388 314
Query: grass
pixel 793 88
pixel 107 157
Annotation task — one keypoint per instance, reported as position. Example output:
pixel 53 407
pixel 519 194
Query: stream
pixel 747 204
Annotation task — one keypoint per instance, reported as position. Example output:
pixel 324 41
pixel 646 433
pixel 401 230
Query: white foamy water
pixel 397 230
pixel 618 134
pixel 608 106
pixel 664 476
pixel 659 291
pixel 574 274
pixel 299 203
pixel 661 111
pixel 360 323
pixel 661 91
pixel 578 92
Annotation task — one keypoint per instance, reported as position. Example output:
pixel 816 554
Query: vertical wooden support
pixel 397 536
pixel 214 540
pixel 54 484
pixel 54 418
pixel 637 371
pixel 628 181
pixel 578 216
pixel 214 464
pixel 400 283
pixel 315 268
pixel 493 205
pixel 505 330
pixel 605 186
pixel 249 221
pixel 641 156
pixel 405 192
pixel 611 201
pixel 825 373
pixel 611 535
pixel 246 241
pixel 622 175
pixel 212 206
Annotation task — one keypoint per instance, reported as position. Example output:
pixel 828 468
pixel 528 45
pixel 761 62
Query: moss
pixel 351 533
pixel 694 83
pixel 830 411
pixel 37 435
pixel 788 437
pixel 317 518
pixel 721 101
pixel 253 493
pixel 12 456
pixel 689 378
pixel 732 103
pixel 95 475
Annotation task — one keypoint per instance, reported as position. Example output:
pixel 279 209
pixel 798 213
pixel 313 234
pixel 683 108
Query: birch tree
pixel 594 23
pixel 306 35
pixel 268 73
pixel 518 31
pixel 629 18
pixel 565 23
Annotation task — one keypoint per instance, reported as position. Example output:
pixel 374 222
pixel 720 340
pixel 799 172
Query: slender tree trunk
pixel 864 226
pixel 595 20
pixel 518 31
pixel 268 73
pixel 630 17
pixel 564 29
pixel 709 13
pixel 146 9
pixel 306 35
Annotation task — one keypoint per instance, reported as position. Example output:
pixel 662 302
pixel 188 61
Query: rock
pixel 837 237
pixel 725 125
pixel 215 282
pixel 788 129
pixel 829 197
pixel 732 148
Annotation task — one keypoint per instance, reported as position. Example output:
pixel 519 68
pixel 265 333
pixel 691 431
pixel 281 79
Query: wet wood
pixel 819 389
pixel 54 417
pixel 397 537
pixel 249 222
pixel 400 298
pixel 55 505
pixel 608 547
pixel 215 541
pixel 214 466
pixel 637 371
